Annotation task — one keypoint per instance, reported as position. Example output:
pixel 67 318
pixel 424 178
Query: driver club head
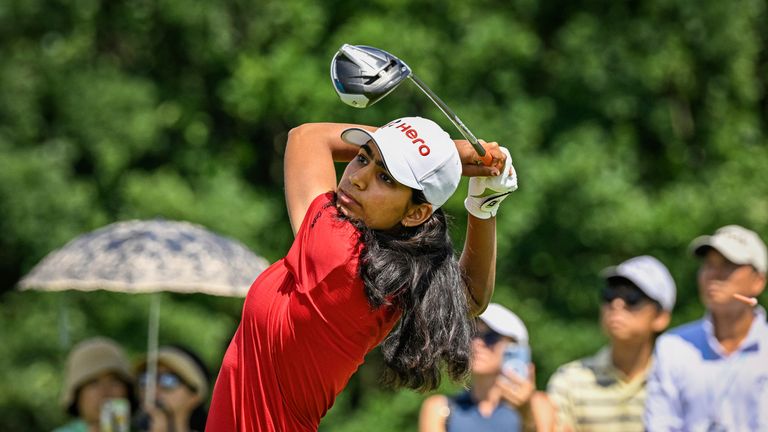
pixel 362 75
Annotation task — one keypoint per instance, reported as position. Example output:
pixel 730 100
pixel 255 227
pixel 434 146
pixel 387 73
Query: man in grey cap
pixel 712 374
pixel 606 392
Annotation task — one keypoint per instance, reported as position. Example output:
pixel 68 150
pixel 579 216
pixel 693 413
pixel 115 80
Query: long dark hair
pixel 416 270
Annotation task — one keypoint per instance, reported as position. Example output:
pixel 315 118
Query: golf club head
pixel 363 75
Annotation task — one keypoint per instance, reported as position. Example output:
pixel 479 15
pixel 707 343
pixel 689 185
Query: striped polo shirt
pixel 592 395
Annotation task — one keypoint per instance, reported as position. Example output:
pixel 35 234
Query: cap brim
pixel 699 245
pixel 358 136
pixel 500 330
pixel 613 272
pixel 513 327
pixel 610 272
pixel 68 396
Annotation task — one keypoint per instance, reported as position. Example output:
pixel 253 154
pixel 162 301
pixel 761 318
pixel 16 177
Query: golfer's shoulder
pixel 325 241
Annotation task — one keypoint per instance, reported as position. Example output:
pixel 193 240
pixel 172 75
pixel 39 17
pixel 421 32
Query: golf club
pixel 363 75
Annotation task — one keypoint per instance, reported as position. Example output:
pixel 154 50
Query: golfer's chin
pixel 347 212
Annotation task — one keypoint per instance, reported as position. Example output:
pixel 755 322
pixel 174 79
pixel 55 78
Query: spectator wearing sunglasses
pixel 607 391
pixel 182 385
pixel 97 371
pixel 712 374
pixel 497 400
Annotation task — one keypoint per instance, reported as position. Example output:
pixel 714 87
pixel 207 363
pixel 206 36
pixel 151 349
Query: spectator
pixel 606 392
pixel 712 374
pixel 182 390
pixel 96 371
pixel 497 400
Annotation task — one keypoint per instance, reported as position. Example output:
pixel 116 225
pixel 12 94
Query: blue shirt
pixel 465 417
pixel 695 386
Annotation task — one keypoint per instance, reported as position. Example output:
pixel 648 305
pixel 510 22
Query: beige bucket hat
pixel 89 359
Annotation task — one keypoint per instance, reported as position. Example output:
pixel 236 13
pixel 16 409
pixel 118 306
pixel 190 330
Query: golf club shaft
pixel 485 156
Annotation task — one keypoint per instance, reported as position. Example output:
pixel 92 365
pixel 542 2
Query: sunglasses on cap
pixel 165 380
pixel 633 298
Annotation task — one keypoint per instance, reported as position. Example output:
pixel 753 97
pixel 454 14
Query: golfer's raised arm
pixel 308 164
pixel 488 187
pixel 478 260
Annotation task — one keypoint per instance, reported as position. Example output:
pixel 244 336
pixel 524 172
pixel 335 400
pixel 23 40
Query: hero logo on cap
pixel 417 153
pixel 411 133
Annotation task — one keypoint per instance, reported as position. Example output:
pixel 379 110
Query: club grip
pixel 487 159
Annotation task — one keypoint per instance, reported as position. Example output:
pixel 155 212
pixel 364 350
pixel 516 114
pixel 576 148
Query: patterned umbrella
pixel 149 256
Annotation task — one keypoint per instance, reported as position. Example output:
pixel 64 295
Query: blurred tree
pixel 635 126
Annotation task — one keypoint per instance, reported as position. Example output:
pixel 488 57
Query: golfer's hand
pixel 471 165
pixel 485 194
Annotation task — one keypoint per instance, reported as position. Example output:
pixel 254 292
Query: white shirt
pixel 695 386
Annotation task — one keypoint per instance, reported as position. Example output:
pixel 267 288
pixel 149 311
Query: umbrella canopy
pixel 148 256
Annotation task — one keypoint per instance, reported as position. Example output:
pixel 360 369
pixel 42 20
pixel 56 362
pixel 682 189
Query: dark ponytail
pixel 415 269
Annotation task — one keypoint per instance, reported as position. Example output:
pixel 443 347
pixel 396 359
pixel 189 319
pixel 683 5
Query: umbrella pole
pixel 154 326
pixel 63 323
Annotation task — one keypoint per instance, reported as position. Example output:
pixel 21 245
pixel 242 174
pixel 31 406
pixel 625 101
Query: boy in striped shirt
pixel 606 392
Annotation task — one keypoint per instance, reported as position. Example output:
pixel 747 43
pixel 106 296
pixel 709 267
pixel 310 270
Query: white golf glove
pixel 486 193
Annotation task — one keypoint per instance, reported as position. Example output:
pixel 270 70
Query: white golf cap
pixel 504 322
pixel 418 154
pixel 648 274
pixel 737 244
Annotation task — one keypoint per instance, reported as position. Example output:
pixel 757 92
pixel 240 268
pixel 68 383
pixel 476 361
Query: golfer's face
pixel 367 192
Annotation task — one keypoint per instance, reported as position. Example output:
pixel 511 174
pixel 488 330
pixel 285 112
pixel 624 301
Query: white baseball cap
pixel 504 322
pixel 737 244
pixel 648 274
pixel 418 153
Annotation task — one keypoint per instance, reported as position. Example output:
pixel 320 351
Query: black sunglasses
pixel 634 299
pixel 489 338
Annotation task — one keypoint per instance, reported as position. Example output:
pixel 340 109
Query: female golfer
pixel 371 262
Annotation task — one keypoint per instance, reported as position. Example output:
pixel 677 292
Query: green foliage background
pixel 635 126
